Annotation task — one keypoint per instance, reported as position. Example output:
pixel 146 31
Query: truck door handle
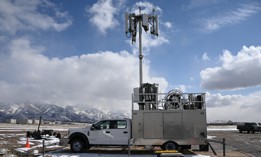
pixel 125 132
pixel 107 132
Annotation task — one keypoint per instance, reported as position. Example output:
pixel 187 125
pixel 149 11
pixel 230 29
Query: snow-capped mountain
pixel 52 112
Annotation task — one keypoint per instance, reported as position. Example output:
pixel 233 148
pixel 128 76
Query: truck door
pixel 119 132
pixel 100 133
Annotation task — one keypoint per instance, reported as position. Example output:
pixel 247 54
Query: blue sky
pixel 77 53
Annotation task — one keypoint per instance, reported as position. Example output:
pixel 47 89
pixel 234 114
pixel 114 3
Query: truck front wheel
pixel 77 145
pixel 169 146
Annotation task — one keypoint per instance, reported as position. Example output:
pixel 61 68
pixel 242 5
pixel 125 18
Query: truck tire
pixel 240 131
pixel 252 131
pixel 170 145
pixel 248 131
pixel 77 145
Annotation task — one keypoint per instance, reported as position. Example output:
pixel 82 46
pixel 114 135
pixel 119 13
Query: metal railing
pixel 168 101
pixel 220 141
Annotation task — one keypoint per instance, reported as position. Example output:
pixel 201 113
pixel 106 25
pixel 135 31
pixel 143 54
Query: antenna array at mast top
pixel 131 21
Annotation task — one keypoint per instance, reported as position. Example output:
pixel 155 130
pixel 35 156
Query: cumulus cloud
pixel 30 15
pixel 148 42
pixel 103 15
pixel 182 88
pixel 231 17
pixel 146 8
pixel 103 79
pixel 239 71
pixel 233 107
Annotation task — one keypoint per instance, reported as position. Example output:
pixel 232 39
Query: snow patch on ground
pixel 49 142
pixel 211 137
pixel 222 128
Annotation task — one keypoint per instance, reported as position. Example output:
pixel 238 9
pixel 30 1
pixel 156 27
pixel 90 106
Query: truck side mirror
pixel 92 128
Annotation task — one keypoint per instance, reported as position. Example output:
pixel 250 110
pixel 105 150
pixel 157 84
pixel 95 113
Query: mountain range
pixel 51 112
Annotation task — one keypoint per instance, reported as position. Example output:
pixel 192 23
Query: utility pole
pixel 143 20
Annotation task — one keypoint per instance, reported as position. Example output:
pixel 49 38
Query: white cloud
pixel 26 15
pixel 146 8
pixel 182 88
pixel 231 17
pixel 205 57
pixel 200 3
pixel 148 42
pixel 103 13
pixel 240 71
pixel 233 107
pixel 103 79
pixel 168 25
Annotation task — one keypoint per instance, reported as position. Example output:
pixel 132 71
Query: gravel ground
pixel 249 144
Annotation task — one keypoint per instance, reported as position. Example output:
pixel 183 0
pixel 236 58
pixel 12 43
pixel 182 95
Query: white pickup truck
pixel 104 132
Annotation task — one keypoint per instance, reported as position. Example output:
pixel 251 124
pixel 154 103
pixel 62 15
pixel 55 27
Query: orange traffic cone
pixel 27 145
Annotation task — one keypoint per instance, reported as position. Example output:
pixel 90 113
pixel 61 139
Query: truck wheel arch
pixel 169 145
pixel 79 135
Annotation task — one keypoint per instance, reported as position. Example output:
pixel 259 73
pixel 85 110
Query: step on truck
pixel 170 120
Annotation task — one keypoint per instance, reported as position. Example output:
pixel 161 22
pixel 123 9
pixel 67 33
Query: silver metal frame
pixel 157 124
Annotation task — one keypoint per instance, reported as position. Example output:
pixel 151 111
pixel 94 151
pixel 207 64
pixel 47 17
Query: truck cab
pixel 105 132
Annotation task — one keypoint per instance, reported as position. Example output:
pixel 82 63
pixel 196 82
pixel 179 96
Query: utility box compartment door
pixel 153 125
pixel 173 125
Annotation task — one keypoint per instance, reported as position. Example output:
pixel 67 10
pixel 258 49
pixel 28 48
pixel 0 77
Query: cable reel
pixel 173 99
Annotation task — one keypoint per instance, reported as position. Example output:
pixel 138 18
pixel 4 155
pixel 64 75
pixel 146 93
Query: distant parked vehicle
pixel 249 127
